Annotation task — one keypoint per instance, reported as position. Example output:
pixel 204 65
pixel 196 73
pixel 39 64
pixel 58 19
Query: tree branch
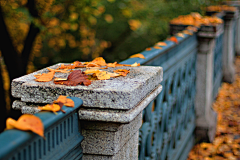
pixel 32 34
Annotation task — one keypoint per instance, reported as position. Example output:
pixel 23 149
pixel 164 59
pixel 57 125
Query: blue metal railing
pixel 217 61
pixel 168 121
pixel 62 138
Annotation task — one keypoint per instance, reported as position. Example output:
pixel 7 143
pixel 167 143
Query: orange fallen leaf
pixel 59 70
pixel 66 66
pixel 65 101
pixel 78 64
pixel 157 47
pixel 122 72
pixel 135 64
pixel 50 107
pixel 173 39
pixel 148 49
pixel 91 65
pixel 112 64
pixel 161 44
pixel 180 35
pixel 99 61
pixel 26 123
pixel 138 55
pixel 103 75
pixel 90 71
pixel 45 77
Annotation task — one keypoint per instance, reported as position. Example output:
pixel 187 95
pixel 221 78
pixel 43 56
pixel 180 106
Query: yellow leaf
pixel 90 71
pixel 135 64
pixel 103 75
pixel 161 44
pixel 50 107
pixel 138 55
pixel 180 35
pixel 45 77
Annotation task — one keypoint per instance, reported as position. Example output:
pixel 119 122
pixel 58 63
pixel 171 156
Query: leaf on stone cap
pixel 26 123
pixel 77 77
pixel 122 72
pixel 78 64
pixel 91 65
pixel 112 64
pixel 173 39
pixel 99 61
pixel 59 70
pixel 103 75
pixel 90 71
pixel 45 77
pixel 114 74
pixel 161 44
pixel 66 66
pixel 135 64
pixel 138 55
pixel 65 101
pixel 50 107
pixel 60 79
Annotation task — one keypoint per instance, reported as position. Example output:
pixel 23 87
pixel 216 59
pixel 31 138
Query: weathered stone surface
pixel 107 138
pixel 121 116
pixel 128 152
pixel 116 93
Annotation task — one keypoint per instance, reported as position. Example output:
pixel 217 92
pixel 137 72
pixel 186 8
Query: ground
pixel 226 145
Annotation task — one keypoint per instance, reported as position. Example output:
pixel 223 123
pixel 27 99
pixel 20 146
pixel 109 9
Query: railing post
pixel 112 109
pixel 206 117
pixel 228 49
pixel 237 35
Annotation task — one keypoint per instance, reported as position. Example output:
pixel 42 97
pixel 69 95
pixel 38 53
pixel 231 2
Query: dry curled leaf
pixel 173 39
pixel 122 72
pixel 161 44
pixel 99 61
pixel 135 64
pixel 138 55
pixel 65 101
pixel 103 75
pixel 180 35
pixel 50 107
pixel 113 65
pixel 157 47
pixel 26 123
pixel 148 49
pixel 44 77
pixel 77 77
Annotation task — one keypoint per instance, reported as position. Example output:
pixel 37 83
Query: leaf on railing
pixel 173 39
pixel 148 49
pixel 161 44
pixel 157 47
pixel 180 35
pixel 138 55
pixel 26 123
pixel 135 64
pixel 50 107
pixel 65 101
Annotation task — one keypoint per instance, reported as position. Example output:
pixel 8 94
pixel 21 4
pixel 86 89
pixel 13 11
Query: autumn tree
pixel 38 33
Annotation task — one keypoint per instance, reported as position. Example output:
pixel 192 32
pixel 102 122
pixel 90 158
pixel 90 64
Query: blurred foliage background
pixel 70 30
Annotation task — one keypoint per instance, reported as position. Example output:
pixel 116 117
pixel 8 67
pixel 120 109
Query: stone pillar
pixel 228 48
pixel 237 36
pixel 206 117
pixel 111 115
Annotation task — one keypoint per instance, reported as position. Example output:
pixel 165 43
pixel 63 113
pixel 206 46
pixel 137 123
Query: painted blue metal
pixel 62 138
pixel 217 71
pixel 169 120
